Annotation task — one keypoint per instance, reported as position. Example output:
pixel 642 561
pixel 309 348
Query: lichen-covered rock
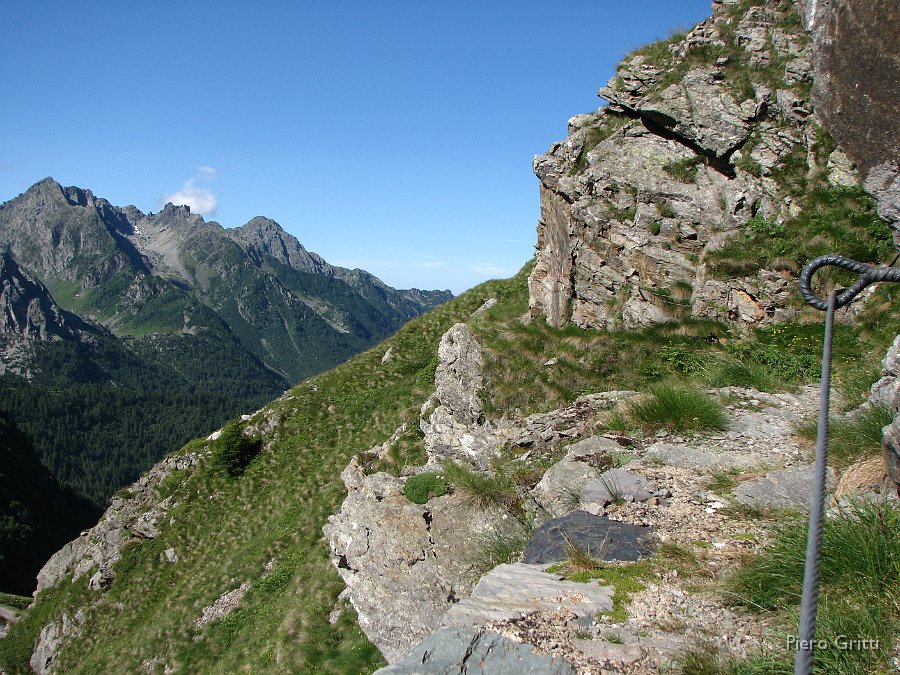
pixel 642 192
pixel 403 564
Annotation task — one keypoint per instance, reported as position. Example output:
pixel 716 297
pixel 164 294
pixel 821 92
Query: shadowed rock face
pixel 857 86
pixel 857 68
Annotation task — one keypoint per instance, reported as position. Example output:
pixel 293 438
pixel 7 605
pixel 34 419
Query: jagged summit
pixel 27 309
pixel 263 236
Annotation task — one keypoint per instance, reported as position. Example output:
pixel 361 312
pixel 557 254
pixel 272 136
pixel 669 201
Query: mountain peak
pixel 263 223
pixel 266 236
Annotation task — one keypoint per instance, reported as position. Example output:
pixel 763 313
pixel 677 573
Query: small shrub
pixel 234 451
pixel 422 487
pixel 677 408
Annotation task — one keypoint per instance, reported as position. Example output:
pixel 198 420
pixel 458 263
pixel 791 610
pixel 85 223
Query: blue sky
pixel 394 136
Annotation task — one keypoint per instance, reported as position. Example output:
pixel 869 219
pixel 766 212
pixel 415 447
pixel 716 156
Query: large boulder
pixel 403 564
pixel 597 536
pixel 475 651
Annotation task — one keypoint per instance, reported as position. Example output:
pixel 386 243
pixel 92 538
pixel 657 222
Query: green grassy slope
pixel 276 510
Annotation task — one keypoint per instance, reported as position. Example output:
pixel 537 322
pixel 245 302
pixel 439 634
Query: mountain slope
pixel 36 513
pixel 125 334
pixel 267 526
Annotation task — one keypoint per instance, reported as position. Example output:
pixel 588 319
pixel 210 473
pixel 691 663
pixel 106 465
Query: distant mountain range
pixel 125 334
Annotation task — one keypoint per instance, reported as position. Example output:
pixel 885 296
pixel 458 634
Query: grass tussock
pixel 676 408
pixel 860 587
pixel 503 545
pixel 854 439
pixel 485 490
pixel 860 554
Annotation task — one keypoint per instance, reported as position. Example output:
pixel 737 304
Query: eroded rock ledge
pixel 642 191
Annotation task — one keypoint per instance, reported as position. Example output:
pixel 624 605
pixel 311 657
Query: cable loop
pixel 868 274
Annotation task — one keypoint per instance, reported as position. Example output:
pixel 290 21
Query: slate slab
pixel 513 591
pixel 603 538
pixel 614 485
pixel 474 651
pixel 789 488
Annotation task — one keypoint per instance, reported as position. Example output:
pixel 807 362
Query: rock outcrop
pixel 887 392
pixel 451 418
pixel 702 135
pixel 132 515
pixel 404 564
pixel 857 86
pixel 515 591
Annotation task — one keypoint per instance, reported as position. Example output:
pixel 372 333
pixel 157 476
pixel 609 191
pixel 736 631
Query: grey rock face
pixel 126 518
pixel 887 392
pixel 451 418
pixel 28 310
pixel 599 536
pixel 642 191
pixel 514 591
pixel 698 109
pixel 46 649
pixel 474 651
pixel 404 564
pixel 694 458
pixel 789 488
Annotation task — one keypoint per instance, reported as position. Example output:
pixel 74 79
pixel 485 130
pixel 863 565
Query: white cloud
pixel 201 200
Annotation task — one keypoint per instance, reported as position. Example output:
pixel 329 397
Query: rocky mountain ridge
pixel 173 272
pixel 124 334
pixel 709 143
